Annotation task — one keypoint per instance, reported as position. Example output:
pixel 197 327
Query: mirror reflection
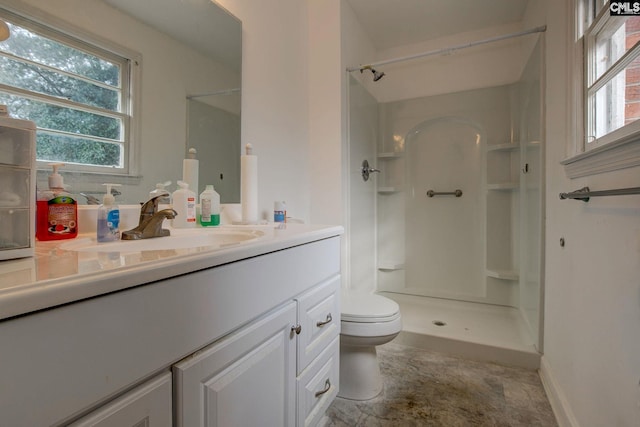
pixel 185 69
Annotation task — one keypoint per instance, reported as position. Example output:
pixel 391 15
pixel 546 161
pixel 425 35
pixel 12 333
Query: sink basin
pixel 179 239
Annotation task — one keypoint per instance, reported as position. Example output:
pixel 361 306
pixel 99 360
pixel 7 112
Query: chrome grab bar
pixel 584 193
pixel 457 193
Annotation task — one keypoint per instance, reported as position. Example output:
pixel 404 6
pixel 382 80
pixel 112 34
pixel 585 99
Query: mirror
pixel 213 116
pixel 190 61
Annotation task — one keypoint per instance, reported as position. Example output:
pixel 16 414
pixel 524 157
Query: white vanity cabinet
pixel 260 374
pixel 227 333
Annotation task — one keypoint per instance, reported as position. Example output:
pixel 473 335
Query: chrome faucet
pixel 91 200
pixel 150 223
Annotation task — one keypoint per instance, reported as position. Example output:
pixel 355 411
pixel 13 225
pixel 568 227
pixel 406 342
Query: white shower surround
pixel 491 117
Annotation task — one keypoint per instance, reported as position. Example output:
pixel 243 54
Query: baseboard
pixel 559 404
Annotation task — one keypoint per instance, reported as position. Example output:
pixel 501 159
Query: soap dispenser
pixel 108 217
pixel 56 210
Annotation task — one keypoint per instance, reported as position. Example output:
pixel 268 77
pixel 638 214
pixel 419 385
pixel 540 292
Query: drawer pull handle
pixel 327 387
pixel 321 324
pixel 297 329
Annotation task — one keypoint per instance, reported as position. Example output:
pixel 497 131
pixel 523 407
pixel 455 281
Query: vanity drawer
pixel 318 385
pixel 319 319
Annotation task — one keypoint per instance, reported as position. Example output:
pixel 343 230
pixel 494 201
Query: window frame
pixel 130 63
pixel 615 150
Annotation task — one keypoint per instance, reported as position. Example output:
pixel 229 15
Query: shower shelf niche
pixel 503 166
pixel 388 190
pixel 503 274
pixel 390 266
pixel 390 155
pixel 505 186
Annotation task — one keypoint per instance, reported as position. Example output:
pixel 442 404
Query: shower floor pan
pixel 470 330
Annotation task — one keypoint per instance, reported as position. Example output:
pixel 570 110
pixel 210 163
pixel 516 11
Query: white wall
pixel 275 99
pixel 591 357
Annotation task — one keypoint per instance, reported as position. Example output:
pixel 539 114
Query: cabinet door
pixel 148 405
pixel 246 379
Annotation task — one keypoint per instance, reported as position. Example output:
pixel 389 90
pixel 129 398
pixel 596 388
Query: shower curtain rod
pixel 540 29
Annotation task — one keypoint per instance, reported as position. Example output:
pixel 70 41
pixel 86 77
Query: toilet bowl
pixel 368 320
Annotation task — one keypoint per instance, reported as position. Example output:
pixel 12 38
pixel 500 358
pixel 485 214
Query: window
pixel 612 77
pixel 77 94
pixel 605 63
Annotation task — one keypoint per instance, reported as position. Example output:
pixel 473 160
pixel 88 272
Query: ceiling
pixel 392 23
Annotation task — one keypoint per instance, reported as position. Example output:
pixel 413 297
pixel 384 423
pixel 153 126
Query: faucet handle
pixel 150 207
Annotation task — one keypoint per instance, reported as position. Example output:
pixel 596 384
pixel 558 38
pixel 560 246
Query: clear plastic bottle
pixel 209 207
pixel 184 203
pixel 108 218
pixel 56 210
pixel 161 188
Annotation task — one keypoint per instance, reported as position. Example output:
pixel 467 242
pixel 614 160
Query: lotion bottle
pixel 108 217
pixel 209 207
pixel 56 210
pixel 184 203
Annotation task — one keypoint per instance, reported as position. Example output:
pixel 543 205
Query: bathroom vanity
pixel 237 335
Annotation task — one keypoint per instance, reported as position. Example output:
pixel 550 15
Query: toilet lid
pixel 363 307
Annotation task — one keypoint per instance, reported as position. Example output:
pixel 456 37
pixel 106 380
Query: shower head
pixel 377 75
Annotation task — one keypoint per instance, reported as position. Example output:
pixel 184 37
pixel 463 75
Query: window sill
pixel 621 154
pixel 81 178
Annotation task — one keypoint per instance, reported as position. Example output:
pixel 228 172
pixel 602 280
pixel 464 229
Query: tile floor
pixel 425 388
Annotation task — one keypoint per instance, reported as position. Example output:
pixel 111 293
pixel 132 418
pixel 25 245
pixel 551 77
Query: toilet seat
pixel 368 308
pixel 369 315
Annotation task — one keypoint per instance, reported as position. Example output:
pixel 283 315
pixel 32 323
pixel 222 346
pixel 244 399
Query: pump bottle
pixel 56 210
pixel 108 217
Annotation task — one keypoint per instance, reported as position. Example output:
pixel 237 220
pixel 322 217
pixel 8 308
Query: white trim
pixel 620 154
pixel 561 409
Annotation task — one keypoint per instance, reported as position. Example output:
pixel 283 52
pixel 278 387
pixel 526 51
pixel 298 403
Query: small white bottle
pixel 209 207
pixel 184 203
pixel 279 211
pixel 108 217
pixel 163 202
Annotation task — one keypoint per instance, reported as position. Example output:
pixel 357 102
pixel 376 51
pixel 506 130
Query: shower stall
pixel 449 221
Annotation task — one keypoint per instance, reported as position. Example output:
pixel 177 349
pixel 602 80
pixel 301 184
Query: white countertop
pixel 56 276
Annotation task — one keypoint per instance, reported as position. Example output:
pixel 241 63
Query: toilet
pixel 368 320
